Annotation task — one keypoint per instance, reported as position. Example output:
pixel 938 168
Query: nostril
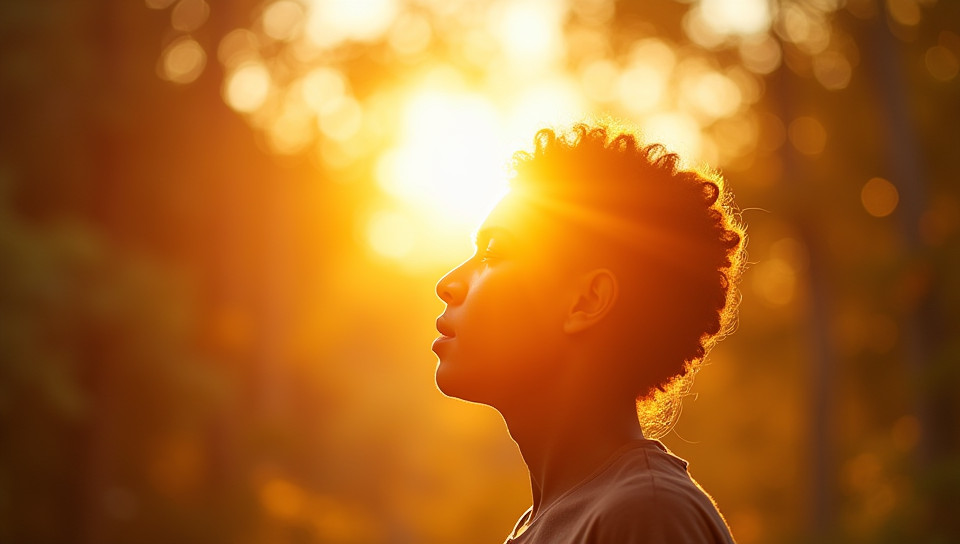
pixel 450 292
pixel 443 291
pixel 446 289
pixel 452 288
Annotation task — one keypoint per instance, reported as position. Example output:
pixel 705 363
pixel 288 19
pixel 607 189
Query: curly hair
pixel 675 233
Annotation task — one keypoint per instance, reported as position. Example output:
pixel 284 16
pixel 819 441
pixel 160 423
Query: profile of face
pixel 503 326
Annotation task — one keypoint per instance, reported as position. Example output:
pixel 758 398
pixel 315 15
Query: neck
pixel 564 442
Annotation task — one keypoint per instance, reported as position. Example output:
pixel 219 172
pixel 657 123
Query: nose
pixel 452 288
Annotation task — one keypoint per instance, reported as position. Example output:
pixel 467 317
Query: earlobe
pixel 598 292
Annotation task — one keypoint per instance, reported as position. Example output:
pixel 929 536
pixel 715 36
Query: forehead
pixel 535 234
pixel 517 215
pixel 561 232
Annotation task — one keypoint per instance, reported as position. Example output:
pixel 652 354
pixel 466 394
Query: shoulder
pixel 660 516
pixel 652 499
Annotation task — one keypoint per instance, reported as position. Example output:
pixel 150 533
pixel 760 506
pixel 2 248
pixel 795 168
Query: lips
pixel 444 328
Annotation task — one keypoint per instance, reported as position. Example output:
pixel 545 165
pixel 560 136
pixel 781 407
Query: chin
pixel 456 385
pixel 448 382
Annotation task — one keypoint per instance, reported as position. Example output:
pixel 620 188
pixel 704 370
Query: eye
pixel 489 252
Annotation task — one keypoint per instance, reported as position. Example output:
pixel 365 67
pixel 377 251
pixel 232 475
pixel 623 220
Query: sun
pixel 446 171
pixel 449 165
pixel 450 162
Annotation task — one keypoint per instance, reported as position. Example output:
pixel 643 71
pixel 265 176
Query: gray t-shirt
pixel 641 494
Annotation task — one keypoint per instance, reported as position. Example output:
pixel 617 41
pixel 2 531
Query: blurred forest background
pixel 221 224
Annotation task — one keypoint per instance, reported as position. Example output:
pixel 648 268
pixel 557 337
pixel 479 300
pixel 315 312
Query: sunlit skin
pixel 526 328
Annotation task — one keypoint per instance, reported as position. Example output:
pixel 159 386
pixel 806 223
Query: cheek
pixel 508 336
pixel 512 320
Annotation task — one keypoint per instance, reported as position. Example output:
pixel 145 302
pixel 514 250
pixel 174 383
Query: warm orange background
pixel 222 223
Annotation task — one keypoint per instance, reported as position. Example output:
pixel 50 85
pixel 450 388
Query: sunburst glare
pixel 449 161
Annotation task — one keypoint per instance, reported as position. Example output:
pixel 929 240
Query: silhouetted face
pixel 503 325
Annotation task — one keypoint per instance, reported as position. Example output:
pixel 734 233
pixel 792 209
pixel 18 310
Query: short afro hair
pixel 675 235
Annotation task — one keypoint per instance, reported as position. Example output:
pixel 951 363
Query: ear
pixel 596 295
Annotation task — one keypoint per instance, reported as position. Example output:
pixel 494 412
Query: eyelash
pixel 486 254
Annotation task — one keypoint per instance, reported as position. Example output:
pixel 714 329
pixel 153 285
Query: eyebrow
pixel 490 232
